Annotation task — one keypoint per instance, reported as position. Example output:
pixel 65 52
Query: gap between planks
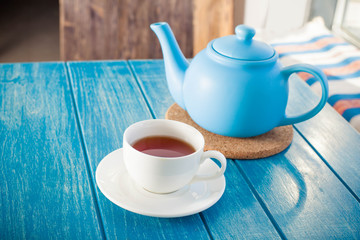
pixel 85 151
pixel 328 165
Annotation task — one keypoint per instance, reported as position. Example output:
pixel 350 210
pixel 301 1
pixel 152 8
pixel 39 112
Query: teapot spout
pixel 175 62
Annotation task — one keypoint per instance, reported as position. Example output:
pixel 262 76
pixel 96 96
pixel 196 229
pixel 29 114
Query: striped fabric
pixel 315 44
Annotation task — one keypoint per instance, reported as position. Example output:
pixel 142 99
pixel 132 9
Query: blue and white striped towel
pixel 315 44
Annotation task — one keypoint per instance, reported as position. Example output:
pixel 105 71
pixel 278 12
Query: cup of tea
pixel 163 156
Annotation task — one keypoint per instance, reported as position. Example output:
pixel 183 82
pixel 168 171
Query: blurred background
pixel 29 30
pixel 52 30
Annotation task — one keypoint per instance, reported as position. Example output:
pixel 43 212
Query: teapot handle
pixel 321 77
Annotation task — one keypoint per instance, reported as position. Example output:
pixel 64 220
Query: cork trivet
pixel 265 145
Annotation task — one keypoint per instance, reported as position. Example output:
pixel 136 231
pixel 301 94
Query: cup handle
pixel 321 77
pixel 219 157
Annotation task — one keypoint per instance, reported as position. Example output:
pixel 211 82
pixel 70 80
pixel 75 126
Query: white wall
pixel 276 16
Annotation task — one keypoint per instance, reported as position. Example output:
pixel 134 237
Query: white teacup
pixel 167 174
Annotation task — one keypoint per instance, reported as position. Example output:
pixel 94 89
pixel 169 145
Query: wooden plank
pixel 212 19
pixel 108 101
pixel 152 80
pixel 331 135
pixel 299 192
pixel 305 198
pixel 237 214
pixel 119 29
pixel 239 12
pixel 45 189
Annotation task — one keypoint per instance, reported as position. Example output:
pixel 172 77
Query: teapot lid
pixel 242 46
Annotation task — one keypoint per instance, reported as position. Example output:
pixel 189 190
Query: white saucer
pixel 115 183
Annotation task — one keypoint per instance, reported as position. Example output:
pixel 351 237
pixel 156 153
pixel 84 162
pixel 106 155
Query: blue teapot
pixel 236 86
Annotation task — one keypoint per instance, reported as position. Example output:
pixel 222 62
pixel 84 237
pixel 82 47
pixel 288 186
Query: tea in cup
pixel 163 156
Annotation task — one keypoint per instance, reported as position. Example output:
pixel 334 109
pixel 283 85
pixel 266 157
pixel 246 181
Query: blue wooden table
pixel 58 120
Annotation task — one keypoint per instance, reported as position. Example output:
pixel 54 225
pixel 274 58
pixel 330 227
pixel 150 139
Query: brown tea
pixel 163 146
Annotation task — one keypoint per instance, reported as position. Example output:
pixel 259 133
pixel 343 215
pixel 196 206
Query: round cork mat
pixel 261 146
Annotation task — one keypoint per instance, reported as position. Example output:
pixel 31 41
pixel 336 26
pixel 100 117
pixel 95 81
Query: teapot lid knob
pixel 244 32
